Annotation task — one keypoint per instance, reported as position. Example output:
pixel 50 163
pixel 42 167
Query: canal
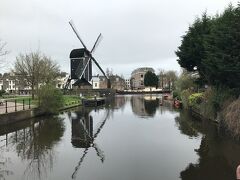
pixel 133 138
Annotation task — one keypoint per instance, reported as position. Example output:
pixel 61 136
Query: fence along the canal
pixel 15 105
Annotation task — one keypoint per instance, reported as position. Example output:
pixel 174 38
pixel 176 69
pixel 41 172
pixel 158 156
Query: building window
pixel 141 75
pixel 95 84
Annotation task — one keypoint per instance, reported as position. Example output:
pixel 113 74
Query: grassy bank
pixel 68 100
pixel 71 101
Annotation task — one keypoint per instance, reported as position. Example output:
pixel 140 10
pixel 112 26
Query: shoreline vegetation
pixel 210 58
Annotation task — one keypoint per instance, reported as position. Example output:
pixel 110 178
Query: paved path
pixel 11 107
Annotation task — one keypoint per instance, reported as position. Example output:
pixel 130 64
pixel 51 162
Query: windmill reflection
pixel 84 137
pixel 82 130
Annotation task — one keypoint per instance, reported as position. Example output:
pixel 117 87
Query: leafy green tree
pixel 50 99
pixel 150 79
pixel 222 61
pixel 211 46
pixel 192 50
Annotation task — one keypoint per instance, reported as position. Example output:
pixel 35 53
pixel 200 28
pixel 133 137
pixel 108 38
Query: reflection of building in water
pixel 144 105
pixel 82 129
pixel 119 101
pixel 137 103
pixel 116 102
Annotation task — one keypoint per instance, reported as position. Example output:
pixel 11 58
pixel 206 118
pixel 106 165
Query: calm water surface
pixel 132 139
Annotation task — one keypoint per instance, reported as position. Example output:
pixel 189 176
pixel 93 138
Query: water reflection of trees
pixel 151 106
pixel 144 106
pixel 35 145
pixel 187 126
pixel 218 155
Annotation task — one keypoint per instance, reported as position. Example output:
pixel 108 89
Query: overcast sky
pixel 136 33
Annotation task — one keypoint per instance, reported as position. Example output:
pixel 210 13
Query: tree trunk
pixel 33 92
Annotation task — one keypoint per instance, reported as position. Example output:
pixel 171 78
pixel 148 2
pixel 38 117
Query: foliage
pixel 69 100
pixel 185 81
pixel 184 97
pixel 215 100
pixel 50 99
pixel 192 50
pixel 176 95
pixel 2 92
pixel 211 46
pixel 35 68
pixel 232 117
pixel 150 79
pixel 195 99
pixel 222 46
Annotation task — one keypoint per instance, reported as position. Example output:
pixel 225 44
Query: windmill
pixel 81 62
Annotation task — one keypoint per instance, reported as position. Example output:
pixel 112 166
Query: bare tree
pixel 36 69
pixel 171 77
pixel 3 51
pixel 50 70
pixel 161 77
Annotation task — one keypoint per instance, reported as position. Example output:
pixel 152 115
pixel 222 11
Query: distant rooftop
pixel 142 69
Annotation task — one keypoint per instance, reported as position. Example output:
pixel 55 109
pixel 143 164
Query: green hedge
pixel 195 99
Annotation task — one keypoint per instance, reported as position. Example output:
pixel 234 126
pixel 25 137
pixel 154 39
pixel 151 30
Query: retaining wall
pixel 13 117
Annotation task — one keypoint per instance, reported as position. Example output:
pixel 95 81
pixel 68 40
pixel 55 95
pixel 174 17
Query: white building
pixel 95 82
pixel 61 82
pixel 127 84
pixel 1 84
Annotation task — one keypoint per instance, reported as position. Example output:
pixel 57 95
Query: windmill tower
pixel 81 62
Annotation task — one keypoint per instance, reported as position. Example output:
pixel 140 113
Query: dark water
pixel 133 139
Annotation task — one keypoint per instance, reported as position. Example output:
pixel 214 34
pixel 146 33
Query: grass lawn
pixel 71 100
pixel 68 100
pixel 19 99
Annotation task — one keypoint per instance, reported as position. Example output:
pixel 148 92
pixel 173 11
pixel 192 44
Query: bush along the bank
pixel 184 97
pixel 2 92
pixel 50 99
pixel 231 118
pixel 210 51
pixel 195 99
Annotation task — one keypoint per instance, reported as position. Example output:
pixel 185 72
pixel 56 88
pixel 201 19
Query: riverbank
pixel 17 116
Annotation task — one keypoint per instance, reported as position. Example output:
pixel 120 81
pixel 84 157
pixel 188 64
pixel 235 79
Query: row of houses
pixel 11 83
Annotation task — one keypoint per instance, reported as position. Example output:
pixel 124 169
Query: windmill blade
pixel 99 38
pixel 79 163
pixel 80 71
pixel 85 130
pixel 75 31
pixel 101 125
pixel 94 60
pixel 100 153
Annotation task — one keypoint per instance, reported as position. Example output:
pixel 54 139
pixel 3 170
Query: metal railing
pixel 14 105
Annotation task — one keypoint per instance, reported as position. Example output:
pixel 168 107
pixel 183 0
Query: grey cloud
pixel 136 32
